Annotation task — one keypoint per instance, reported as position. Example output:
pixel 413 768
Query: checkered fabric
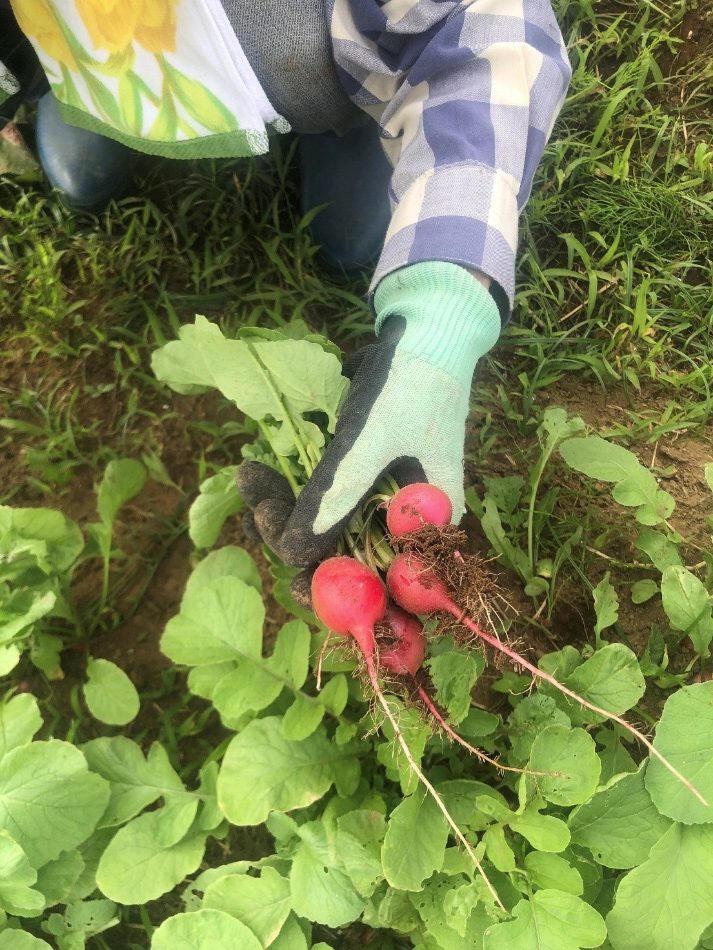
pixel 466 95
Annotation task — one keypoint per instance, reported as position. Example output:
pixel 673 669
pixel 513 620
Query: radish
pixel 406 656
pixel 415 587
pixel 416 505
pixel 350 599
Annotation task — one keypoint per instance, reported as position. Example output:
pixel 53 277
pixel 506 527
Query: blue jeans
pixel 350 175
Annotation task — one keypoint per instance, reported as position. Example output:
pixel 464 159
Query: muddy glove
pixel 405 412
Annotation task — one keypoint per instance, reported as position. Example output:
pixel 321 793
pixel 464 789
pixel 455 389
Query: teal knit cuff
pixel 451 318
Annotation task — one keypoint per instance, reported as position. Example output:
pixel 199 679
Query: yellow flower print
pixel 156 29
pixel 36 19
pixel 113 24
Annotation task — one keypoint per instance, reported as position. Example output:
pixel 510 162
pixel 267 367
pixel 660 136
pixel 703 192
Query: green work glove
pixel 405 412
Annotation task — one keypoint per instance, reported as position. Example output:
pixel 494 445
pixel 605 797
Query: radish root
pixel 536 672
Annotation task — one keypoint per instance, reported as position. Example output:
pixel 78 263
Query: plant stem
pixel 287 416
pixel 281 461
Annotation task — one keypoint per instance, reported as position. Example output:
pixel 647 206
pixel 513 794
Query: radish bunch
pixel 350 599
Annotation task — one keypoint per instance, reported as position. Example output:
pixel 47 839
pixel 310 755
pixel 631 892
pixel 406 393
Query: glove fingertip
pixel 271 516
pixel 301 589
pixel 256 482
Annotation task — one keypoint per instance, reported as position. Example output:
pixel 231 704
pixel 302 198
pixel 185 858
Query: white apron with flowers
pixel 167 77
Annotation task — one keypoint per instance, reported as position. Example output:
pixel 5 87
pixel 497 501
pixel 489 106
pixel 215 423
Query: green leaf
pixel 49 802
pixel 291 937
pixel 110 694
pixel 610 678
pixel 497 849
pixel 135 781
pixel 22 609
pixel 553 872
pixel 334 694
pixel 550 920
pixel 687 605
pixel 620 824
pixel 282 379
pixel 660 551
pixel 634 485
pixel 290 658
pixel 57 879
pixel 262 771
pixel 123 480
pixel 683 736
pixel 561 663
pixel 17 896
pixel 606 605
pixel 247 688
pixel 45 654
pixel 217 501
pixel 135 868
pixel 18 940
pixel 20 719
pixel 61 537
pixel 614 756
pixel 360 835
pixel 321 889
pixel 218 622
pixel 302 718
pixel 572 754
pixel 174 820
pixel 641 591
pixel 261 903
pixel 493 529
pixel 415 732
pixel 415 842
pixel 228 561
pixel 528 719
pixel 81 919
pixel 202 929
pixel 445 908
pixel 454 675
pixel 252 686
pixel 461 796
pixel 556 426
pixel 9 658
pixel 667 901
pixel 544 832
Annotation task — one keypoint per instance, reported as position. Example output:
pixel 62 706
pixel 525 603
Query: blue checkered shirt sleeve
pixel 466 95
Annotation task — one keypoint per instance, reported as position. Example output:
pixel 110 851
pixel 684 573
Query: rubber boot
pixel 349 174
pixel 88 169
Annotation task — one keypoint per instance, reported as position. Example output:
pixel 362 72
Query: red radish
pixel 417 589
pixel 349 599
pixel 406 656
pixel 416 505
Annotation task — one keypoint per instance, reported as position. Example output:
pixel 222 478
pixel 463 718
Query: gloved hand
pixel 405 412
